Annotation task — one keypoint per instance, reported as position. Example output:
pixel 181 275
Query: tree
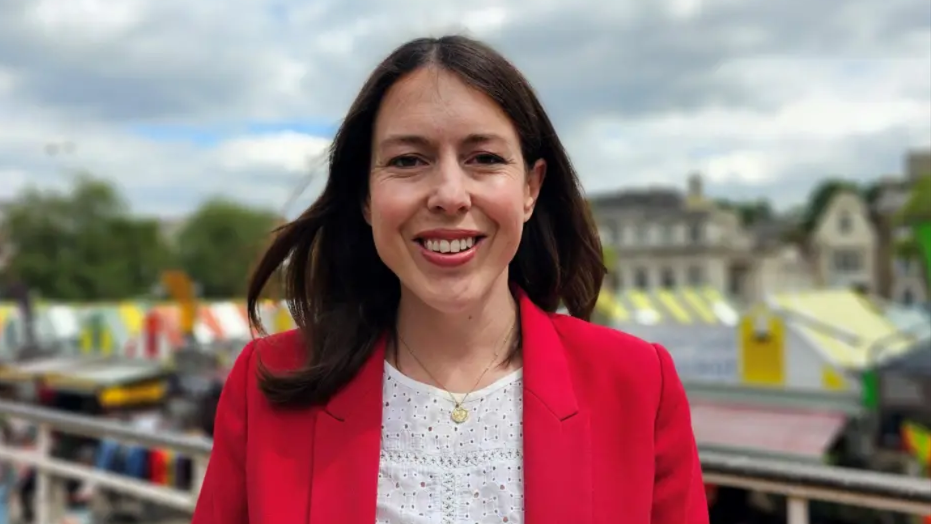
pixel 82 244
pixel 749 212
pixel 221 242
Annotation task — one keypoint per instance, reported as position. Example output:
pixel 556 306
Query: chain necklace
pixel 459 414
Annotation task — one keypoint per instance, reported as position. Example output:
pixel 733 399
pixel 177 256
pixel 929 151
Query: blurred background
pixel 760 173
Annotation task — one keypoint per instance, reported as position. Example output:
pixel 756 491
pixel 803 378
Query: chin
pixel 453 295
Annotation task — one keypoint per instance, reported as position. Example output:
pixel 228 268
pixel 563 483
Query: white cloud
pixel 763 97
pixel 288 151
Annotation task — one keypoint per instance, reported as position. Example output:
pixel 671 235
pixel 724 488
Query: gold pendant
pixel 460 415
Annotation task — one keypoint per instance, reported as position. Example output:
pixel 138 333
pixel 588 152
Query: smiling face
pixel 449 189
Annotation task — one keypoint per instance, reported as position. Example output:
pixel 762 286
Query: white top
pixel 434 471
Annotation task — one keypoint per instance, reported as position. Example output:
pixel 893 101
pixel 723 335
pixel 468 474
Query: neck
pixel 463 338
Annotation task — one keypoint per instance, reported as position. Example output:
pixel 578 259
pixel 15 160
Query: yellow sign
pixel 762 348
pixel 283 320
pixel 121 396
pixel 180 288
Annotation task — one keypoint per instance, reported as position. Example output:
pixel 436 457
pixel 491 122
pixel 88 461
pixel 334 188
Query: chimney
pixel 696 191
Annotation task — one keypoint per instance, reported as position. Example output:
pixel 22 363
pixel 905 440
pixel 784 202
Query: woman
pixel 430 380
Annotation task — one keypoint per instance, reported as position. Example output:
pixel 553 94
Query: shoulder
pixel 599 354
pixel 280 352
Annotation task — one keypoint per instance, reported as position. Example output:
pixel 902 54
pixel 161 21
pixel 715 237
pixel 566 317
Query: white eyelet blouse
pixel 434 471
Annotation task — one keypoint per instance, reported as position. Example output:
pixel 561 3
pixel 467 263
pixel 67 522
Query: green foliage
pixel 83 244
pixel 609 254
pixel 220 243
pixel 916 212
pixel 918 206
pixel 750 212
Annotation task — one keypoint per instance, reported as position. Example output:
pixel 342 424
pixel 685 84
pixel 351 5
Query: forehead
pixel 435 102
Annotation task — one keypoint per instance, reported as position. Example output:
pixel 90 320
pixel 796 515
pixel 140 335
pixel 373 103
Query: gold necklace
pixel 459 414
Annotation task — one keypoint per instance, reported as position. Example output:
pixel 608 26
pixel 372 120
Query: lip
pixel 451 259
pixel 448 234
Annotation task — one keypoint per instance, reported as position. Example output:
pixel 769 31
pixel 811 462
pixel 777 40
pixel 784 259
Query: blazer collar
pixel 546 372
pixel 557 437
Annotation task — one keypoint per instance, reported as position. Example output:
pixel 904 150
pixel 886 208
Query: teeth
pixel 449 246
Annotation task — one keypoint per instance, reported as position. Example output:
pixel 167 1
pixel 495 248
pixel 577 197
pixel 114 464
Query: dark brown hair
pixel 340 293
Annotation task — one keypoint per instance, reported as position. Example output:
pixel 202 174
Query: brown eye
pixel 405 162
pixel 487 158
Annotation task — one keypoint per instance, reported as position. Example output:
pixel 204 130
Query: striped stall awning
pixel 872 336
pixel 680 306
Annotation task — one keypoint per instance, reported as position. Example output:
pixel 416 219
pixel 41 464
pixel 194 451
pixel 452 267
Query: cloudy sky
pixel 177 100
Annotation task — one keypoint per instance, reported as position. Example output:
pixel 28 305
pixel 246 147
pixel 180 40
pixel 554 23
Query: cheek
pixel 506 208
pixel 388 212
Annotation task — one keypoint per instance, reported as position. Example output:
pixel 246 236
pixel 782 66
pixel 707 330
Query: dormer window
pixel 845 223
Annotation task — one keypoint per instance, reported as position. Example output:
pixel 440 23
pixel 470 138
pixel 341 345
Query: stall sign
pixel 118 396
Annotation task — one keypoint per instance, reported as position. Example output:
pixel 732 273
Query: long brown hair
pixel 340 293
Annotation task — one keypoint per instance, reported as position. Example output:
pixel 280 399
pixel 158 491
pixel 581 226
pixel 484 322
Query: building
pixel 842 246
pixel 898 279
pixel 666 239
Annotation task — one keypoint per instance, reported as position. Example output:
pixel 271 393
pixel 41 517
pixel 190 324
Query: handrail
pixel 97 428
pixel 848 486
pixel 799 482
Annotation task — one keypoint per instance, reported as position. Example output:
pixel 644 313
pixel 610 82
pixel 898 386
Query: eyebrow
pixel 417 140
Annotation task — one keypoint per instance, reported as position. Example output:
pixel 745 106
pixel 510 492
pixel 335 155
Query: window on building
pixel 641 278
pixel 669 234
pixel 643 234
pixel 607 230
pixel 696 275
pixel 845 223
pixel 668 278
pixel 848 260
pixel 696 232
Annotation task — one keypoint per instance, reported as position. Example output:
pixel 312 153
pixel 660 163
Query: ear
pixel 367 211
pixel 532 188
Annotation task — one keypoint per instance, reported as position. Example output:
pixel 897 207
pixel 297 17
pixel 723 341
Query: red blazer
pixel 607 437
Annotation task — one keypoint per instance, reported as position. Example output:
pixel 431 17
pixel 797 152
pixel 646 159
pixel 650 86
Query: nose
pixel 450 192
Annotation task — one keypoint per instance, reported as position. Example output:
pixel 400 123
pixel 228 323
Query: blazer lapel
pixel 347 442
pixel 557 434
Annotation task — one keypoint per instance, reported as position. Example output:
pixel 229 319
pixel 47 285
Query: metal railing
pixel 47 467
pixel 799 483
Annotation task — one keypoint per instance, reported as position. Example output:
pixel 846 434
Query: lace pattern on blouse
pixel 434 471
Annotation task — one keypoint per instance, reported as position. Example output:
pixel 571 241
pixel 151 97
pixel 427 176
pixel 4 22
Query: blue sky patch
pixel 207 136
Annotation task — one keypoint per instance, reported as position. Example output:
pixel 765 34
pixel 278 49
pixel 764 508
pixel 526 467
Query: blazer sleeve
pixel 223 493
pixel 678 489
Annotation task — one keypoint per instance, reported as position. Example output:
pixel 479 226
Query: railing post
pixel 42 500
pixel 798 510
pixel 200 471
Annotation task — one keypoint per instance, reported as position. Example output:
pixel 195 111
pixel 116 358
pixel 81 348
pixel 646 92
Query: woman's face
pixel 449 189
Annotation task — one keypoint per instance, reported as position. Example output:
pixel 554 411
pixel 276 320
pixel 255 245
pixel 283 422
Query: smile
pixel 449 249
pixel 449 246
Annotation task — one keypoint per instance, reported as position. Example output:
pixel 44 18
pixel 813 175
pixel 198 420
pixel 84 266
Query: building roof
pixel 665 198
